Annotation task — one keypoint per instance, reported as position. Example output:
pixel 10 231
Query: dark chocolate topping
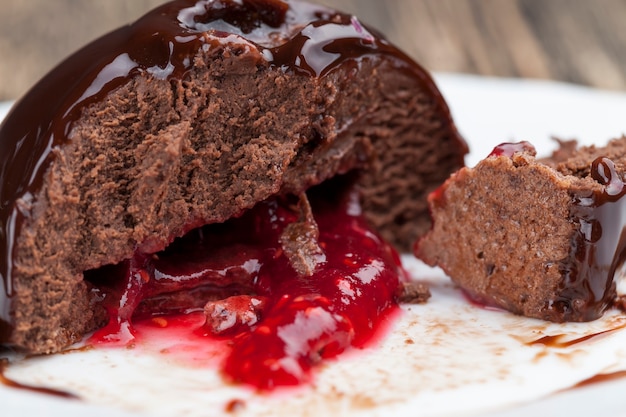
pixel 300 38
pixel 598 248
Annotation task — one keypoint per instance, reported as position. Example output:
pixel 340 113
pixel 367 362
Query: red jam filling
pixel 510 149
pixel 286 285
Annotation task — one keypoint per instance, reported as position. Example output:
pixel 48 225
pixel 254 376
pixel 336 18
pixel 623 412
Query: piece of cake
pixel 539 237
pixel 192 116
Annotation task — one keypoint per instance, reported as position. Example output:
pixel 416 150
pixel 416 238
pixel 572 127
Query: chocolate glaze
pixel 598 248
pixel 300 38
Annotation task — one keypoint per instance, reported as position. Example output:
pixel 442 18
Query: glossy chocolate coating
pixel 300 38
pixel 598 248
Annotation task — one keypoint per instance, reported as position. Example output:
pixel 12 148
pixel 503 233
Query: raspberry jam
pixel 510 149
pixel 287 284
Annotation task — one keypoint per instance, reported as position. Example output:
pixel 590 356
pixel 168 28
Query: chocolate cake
pixel 539 237
pixel 191 116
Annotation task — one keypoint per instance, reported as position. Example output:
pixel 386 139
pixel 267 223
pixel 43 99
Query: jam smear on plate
pixel 290 283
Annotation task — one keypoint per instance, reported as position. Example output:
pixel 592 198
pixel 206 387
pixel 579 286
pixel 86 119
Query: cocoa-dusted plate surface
pixel 446 357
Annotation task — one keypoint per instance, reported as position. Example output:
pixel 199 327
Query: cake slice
pixel 193 115
pixel 539 237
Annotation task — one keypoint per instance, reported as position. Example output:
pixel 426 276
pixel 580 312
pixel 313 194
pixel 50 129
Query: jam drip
pixel 510 149
pixel 281 321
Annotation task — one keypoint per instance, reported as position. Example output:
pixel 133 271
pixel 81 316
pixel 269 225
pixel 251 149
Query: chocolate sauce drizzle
pixel 295 37
pixel 4 364
pixel 598 248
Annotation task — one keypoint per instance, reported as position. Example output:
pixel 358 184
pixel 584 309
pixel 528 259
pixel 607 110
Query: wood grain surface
pixel 578 41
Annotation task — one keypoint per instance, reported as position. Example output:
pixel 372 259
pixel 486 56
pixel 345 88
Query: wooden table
pixel 579 41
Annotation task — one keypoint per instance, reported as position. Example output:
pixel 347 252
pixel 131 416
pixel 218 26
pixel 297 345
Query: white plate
pixel 444 358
